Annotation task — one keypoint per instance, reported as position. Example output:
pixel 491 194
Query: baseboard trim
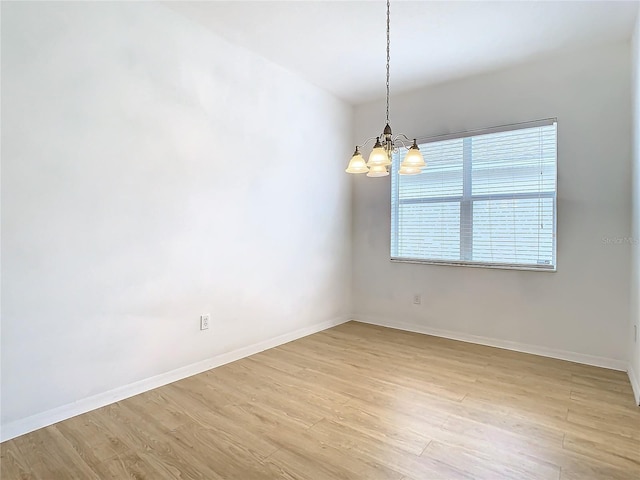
pixel 635 383
pixel 44 419
pixel 604 362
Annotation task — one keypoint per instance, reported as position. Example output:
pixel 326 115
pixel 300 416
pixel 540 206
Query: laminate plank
pixel 219 459
pixel 503 372
pixel 611 384
pixel 517 401
pixel 275 426
pixel 586 394
pixel 49 455
pixel 267 358
pixel 166 414
pixel 497 464
pixel 13 464
pixel 344 437
pixel 230 428
pixel 607 450
pixel 306 407
pixel 590 470
pixel 623 425
pixel 89 439
pixel 308 392
pixel 210 391
pixel 311 459
pixel 471 433
pixel 152 442
pixel 404 432
pixel 128 465
pixel 511 422
pixel 503 444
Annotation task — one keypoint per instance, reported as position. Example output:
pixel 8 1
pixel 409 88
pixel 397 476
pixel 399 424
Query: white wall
pixel 634 357
pixel 152 172
pixel 582 309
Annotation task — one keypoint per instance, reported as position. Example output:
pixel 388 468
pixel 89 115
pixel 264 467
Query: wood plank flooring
pixel 355 402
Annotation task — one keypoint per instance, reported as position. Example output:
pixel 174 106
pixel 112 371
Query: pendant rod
pixel 388 55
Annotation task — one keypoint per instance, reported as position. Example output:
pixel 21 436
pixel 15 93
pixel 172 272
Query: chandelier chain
pixel 388 56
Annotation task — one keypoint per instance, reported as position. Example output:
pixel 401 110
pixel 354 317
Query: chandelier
pixel 387 144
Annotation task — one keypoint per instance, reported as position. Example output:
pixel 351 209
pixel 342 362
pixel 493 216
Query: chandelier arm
pixel 401 142
pixel 397 137
pixel 368 140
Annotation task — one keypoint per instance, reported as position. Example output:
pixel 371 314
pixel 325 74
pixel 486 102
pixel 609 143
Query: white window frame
pixel 466 202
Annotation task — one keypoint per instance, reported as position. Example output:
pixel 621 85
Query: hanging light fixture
pixel 381 156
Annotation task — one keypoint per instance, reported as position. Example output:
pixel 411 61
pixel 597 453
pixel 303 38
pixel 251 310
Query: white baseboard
pixel 610 363
pixel 44 419
pixel 635 383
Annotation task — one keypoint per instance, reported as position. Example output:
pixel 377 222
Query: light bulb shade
pixel 378 158
pixel 378 171
pixel 357 164
pixel 404 170
pixel 413 158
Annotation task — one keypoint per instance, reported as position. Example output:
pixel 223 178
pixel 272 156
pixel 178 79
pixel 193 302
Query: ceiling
pixel 340 45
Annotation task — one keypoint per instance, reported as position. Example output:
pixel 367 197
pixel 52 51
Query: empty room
pixel 320 240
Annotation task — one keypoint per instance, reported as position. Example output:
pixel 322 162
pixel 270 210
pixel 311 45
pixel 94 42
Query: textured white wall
pixel 584 307
pixel 152 172
pixel 634 348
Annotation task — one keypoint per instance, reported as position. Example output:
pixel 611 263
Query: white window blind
pixel 486 198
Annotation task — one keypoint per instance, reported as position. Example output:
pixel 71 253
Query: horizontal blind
pixel 519 161
pixel 487 198
pixel 444 176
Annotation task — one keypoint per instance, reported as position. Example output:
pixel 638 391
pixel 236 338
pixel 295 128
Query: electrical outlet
pixel 204 321
pixel 417 299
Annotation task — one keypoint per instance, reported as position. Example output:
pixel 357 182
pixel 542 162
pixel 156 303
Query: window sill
pixel 500 266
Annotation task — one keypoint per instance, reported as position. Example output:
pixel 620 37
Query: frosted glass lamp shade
pixel 357 163
pixel 409 170
pixel 378 171
pixel 414 158
pixel 378 156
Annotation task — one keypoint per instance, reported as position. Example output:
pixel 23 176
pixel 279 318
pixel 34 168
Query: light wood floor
pixel 356 401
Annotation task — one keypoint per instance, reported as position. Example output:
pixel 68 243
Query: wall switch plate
pixel 417 299
pixel 204 321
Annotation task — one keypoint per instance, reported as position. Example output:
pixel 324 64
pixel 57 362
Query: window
pixel 485 198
